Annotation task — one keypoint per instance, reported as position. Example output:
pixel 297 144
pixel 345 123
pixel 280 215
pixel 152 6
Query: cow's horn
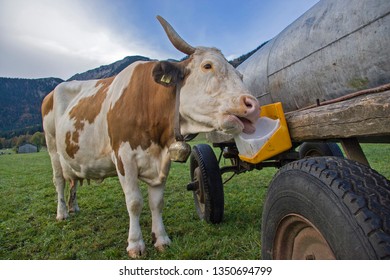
pixel 175 39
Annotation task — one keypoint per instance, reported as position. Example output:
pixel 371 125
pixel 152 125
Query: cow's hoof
pixel 162 243
pixel 62 217
pixel 161 248
pixel 136 250
pixel 74 209
pixel 135 254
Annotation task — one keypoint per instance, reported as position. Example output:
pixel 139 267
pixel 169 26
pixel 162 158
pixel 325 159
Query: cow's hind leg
pixel 62 213
pixel 72 202
pixel 58 179
pixel 156 203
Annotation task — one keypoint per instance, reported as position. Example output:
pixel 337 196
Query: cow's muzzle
pixel 251 113
pixel 243 118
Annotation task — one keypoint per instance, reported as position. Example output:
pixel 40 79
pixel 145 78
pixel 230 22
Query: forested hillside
pixel 20 102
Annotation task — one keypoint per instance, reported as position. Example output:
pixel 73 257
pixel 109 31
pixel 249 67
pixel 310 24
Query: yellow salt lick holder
pixel 271 136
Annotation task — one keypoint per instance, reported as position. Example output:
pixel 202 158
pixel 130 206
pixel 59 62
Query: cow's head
pixel 212 95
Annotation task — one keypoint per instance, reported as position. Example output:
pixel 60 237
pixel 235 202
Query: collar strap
pixel 176 128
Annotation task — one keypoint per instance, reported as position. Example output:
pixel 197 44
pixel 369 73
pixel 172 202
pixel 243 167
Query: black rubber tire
pixel 349 203
pixel 319 149
pixel 211 206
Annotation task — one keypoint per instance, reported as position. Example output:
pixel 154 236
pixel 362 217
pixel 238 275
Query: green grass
pixel 28 229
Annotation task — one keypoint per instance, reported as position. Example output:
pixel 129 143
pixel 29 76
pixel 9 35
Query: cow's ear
pixel 168 73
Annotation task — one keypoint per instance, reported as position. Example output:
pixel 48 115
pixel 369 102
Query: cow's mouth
pixel 235 125
pixel 249 126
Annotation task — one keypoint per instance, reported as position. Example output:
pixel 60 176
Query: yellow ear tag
pixel 166 79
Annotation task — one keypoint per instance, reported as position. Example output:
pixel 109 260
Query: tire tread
pixel 204 158
pixel 364 192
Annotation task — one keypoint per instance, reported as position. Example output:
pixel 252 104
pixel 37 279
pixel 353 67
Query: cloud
pixel 59 38
pixel 73 35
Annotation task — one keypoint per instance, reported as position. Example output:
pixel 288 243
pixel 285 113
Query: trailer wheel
pixel 319 149
pixel 326 208
pixel 206 184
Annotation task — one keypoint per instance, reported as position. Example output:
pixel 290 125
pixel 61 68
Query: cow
pixel 124 125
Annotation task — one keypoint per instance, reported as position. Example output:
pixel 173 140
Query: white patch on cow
pixel 92 163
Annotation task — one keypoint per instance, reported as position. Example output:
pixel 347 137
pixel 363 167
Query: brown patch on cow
pixel 47 104
pixel 143 114
pixel 154 151
pixel 86 110
pixel 71 148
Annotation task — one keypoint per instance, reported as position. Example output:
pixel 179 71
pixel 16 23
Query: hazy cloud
pixel 59 38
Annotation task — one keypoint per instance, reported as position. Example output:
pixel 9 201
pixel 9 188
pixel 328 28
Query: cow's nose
pixel 252 107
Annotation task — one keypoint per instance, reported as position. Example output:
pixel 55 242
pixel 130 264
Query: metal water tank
pixel 335 48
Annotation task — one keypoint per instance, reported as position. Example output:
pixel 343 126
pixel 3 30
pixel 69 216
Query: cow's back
pixel 58 101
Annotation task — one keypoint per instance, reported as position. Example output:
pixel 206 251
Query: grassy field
pixel 28 229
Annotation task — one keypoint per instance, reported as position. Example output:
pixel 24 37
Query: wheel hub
pixel 198 191
pixel 298 239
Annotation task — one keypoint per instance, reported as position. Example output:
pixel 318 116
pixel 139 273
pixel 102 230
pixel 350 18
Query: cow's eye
pixel 207 66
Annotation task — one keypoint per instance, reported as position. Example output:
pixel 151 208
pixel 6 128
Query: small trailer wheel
pixel 326 208
pixel 206 184
pixel 319 149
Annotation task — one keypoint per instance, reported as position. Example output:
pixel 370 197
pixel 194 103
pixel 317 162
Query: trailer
pixel 329 72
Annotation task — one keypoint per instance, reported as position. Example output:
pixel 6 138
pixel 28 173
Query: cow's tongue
pixel 249 128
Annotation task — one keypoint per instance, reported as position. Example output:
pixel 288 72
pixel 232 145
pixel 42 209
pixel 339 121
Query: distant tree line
pixel 237 61
pixel 37 139
pixel 21 131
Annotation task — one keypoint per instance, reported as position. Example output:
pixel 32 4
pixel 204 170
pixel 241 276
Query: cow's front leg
pixel 156 203
pixel 134 203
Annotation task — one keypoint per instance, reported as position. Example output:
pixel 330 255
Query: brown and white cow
pixel 123 126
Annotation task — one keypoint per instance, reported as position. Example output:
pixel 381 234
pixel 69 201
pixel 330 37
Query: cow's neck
pixel 144 113
pixel 176 128
pixel 179 151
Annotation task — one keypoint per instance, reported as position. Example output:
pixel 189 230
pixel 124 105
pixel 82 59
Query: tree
pixel 38 139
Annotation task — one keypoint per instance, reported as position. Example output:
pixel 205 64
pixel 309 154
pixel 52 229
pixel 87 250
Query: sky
pixel 59 38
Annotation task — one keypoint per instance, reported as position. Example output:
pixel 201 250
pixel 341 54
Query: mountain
pixel 110 70
pixel 20 101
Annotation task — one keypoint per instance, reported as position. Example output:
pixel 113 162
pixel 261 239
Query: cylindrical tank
pixel 335 48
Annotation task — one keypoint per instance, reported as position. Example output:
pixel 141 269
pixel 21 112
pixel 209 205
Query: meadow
pixel 29 230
